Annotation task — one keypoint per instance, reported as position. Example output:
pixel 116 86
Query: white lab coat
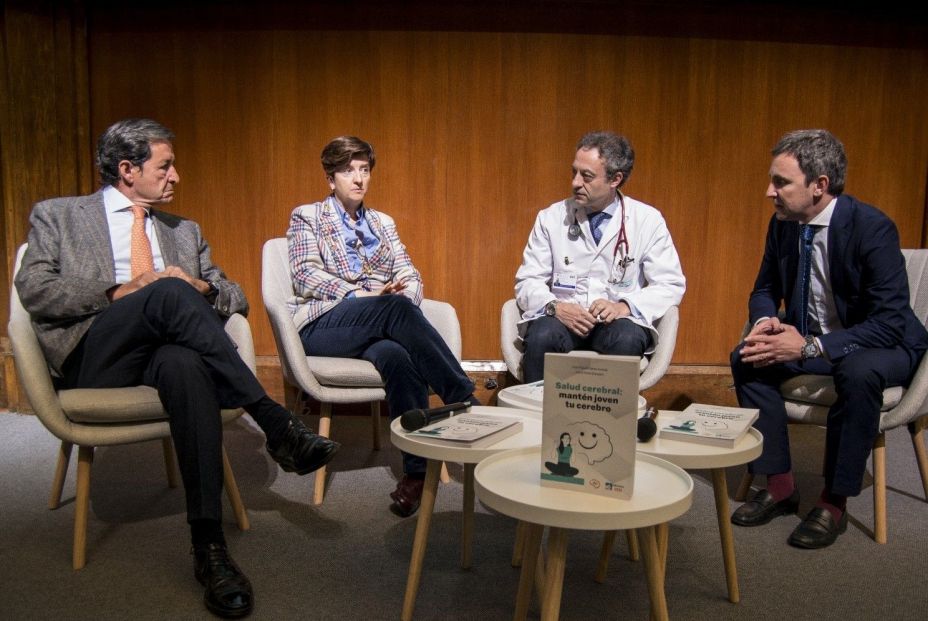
pixel 651 284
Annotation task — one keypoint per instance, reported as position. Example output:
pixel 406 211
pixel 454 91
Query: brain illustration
pixel 590 440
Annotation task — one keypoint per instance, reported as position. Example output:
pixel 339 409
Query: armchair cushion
pixel 820 390
pixel 111 405
pixel 344 372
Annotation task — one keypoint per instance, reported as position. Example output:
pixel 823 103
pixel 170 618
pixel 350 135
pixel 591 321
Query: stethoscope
pixel 574 232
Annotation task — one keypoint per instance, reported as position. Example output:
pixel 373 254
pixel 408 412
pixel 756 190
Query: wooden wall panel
pixel 475 133
pixel 44 117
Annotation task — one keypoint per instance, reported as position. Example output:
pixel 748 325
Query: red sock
pixel 781 486
pixel 835 504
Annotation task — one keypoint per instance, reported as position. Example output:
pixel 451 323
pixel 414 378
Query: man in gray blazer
pixel 106 320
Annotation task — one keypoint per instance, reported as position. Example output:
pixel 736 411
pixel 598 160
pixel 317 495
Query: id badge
pixel 564 282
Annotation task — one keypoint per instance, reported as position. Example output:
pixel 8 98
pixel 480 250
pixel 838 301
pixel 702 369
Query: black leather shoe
pixel 228 591
pixel 301 450
pixel 407 496
pixel 762 508
pixel 818 530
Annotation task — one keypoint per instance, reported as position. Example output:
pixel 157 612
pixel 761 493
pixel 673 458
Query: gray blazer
pixel 68 268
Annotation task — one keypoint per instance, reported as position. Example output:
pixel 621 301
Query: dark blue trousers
pixel 391 333
pixel 167 336
pixel 547 334
pixel 853 420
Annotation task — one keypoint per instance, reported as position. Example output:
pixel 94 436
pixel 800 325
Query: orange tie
pixel 140 257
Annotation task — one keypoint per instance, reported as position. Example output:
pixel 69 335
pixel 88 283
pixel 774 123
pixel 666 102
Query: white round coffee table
pixel 530 436
pixel 694 456
pixel 510 483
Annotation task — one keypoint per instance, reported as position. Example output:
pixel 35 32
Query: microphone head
pixel 413 420
pixel 646 429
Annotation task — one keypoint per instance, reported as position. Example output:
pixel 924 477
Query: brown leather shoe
pixel 407 496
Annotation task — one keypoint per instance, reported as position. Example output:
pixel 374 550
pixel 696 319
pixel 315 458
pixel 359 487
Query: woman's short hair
pixel 340 151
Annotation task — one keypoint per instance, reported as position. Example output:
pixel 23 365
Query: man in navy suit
pixel 835 265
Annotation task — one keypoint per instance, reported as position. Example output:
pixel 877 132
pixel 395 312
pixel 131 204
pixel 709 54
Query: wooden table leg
pixel 531 544
pixel 540 573
pixel 467 516
pixel 605 551
pixel 654 572
pixel 519 546
pixel 662 531
pixel 424 521
pixel 720 488
pixel 632 540
pixel 554 574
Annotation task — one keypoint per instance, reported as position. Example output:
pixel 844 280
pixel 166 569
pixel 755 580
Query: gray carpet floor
pixel 348 558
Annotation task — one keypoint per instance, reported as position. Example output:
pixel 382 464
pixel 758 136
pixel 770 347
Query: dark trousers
pixel 853 420
pixel 391 333
pixel 546 334
pixel 167 336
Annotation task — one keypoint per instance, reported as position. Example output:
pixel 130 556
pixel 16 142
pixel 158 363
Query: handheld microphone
pixel 646 425
pixel 417 419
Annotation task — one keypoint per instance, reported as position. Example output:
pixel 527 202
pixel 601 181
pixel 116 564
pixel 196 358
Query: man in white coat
pixel 599 268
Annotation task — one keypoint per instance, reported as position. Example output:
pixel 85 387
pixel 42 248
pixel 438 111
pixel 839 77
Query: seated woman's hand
pixel 387 289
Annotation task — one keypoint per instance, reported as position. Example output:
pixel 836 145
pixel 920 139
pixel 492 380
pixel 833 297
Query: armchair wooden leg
pixel 742 494
pixel 235 498
pixel 879 489
pixel 375 423
pixel 917 430
pixel 167 447
pixel 325 424
pixel 61 471
pixel 82 505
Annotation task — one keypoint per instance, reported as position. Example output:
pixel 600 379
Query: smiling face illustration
pixel 591 441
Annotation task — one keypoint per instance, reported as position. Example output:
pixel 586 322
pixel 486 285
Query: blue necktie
pixel 806 233
pixel 596 221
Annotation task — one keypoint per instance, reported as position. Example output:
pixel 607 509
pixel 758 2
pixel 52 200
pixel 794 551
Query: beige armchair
pixel 808 398
pixel 325 379
pixel 652 367
pixel 103 417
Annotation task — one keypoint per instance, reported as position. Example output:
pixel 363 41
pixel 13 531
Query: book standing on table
pixel 589 422
pixel 708 424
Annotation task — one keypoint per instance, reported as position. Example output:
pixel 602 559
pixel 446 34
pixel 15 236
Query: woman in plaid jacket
pixel 357 295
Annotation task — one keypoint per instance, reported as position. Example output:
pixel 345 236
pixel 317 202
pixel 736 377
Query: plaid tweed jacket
pixel 319 266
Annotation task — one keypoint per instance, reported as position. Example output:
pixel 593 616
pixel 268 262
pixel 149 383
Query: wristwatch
pixel 810 349
pixel 551 308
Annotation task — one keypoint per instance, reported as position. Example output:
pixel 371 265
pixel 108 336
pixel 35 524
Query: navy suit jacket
pixel 868 279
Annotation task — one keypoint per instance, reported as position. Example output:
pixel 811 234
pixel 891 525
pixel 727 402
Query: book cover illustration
pixel 589 423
